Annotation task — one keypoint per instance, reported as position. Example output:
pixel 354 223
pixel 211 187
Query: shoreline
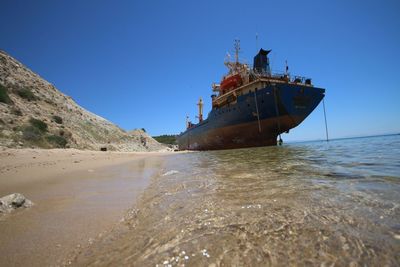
pixel 24 166
pixel 77 195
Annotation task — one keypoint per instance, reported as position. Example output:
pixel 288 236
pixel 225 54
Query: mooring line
pixel 277 114
pixel 326 123
pixel 258 115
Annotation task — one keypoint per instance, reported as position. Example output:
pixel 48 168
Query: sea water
pixel 308 204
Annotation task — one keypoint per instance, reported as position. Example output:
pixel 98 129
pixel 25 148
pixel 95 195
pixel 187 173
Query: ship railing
pixel 286 76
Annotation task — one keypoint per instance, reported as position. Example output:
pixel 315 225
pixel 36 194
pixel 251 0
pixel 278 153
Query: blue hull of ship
pixel 255 119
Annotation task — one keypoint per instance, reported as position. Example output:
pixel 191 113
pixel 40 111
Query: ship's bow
pixel 300 101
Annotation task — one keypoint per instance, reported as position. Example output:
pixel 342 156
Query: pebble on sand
pixel 14 201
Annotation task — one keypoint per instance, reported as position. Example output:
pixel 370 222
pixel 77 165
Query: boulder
pixel 14 201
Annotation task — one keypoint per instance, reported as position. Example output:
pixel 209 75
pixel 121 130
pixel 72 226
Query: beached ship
pixel 251 107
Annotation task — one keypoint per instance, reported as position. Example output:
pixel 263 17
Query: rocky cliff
pixel 33 113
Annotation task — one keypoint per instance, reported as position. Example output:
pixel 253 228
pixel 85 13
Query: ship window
pixel 262 101
pixel 250 91
pixel 248 104
pixel 255 90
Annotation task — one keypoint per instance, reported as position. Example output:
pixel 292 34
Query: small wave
pixel 170 173
pixel 344 176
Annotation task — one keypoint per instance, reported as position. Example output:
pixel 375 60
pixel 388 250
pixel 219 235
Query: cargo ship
pixel 251 107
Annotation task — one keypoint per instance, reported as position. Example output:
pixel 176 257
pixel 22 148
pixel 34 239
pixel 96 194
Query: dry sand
pixel 77 195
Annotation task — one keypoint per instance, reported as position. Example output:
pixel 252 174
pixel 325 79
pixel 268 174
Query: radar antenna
pixel 256 42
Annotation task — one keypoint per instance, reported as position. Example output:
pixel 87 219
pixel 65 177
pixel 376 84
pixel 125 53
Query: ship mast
pixel 237 49
pixel 200 104
pixel 235 66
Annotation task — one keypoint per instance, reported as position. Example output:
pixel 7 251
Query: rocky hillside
pixel 33 113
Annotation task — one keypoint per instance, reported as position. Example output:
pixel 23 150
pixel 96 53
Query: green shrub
pixel 31 133
pixel 58 119
pixel 56 140
pixel 26 93
pixel 4 95
pixel 38 124
pixel 166 139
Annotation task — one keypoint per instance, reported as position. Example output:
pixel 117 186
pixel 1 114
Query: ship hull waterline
pixel 239 136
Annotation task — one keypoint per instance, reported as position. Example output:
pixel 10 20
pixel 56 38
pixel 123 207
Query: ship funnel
pixel 261 62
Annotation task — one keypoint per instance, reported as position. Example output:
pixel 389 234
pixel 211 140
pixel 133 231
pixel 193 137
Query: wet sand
pixel 78 195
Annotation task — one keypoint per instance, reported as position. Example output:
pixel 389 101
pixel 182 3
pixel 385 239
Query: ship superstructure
pixel 251 106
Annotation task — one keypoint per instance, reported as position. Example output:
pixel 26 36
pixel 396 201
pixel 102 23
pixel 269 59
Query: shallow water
pixel 69 210
pixel 308 204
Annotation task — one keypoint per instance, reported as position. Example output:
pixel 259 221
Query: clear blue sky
pixel 145 63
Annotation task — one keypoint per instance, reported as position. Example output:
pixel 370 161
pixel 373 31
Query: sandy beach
pixel 77 196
